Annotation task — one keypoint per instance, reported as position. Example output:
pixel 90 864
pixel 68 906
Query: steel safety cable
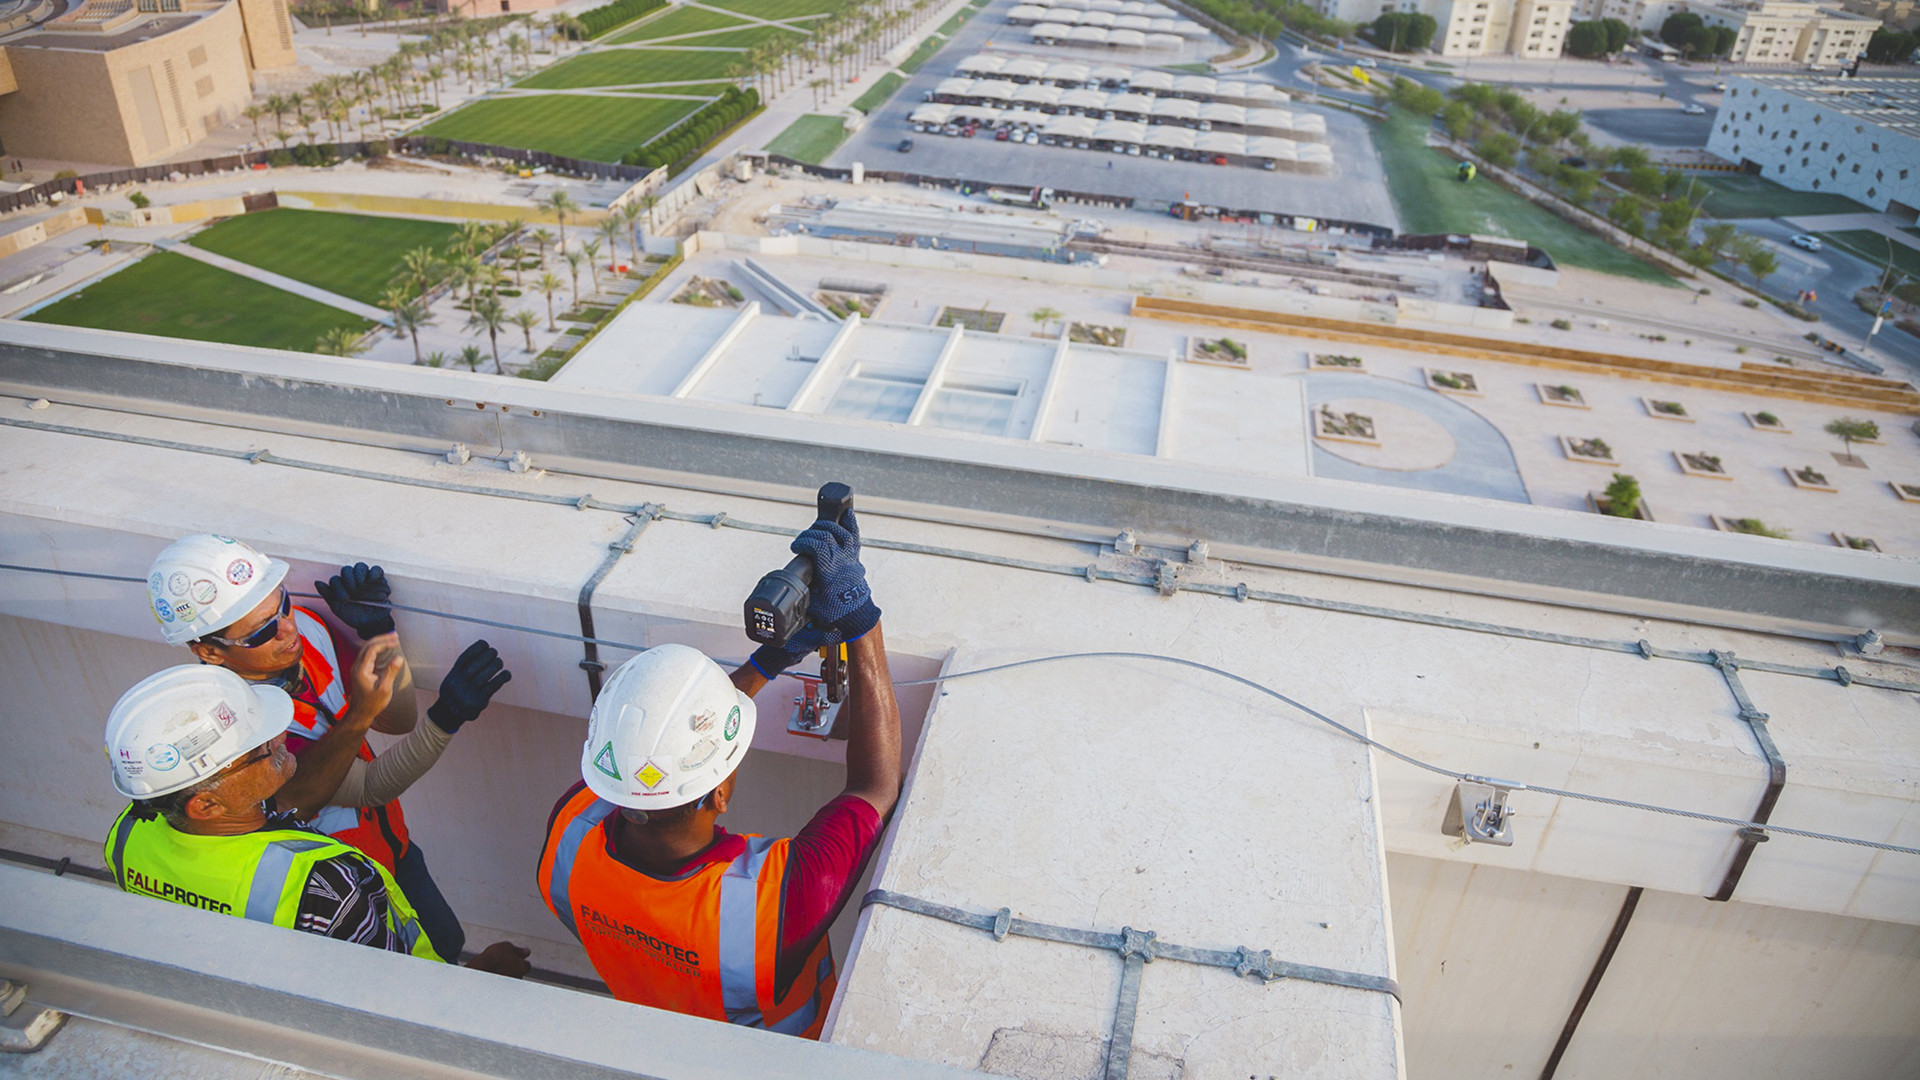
pixel 1090 572
pixel 1351 733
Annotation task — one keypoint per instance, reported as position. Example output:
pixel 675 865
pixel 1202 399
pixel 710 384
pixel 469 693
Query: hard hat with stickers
pixel 667 728
pixel 182 725
pixel 204 583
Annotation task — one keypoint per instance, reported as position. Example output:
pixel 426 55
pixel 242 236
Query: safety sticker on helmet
pixel 605 763
pixel 239 571
pixel 733 723
pixel 163 609
pixel 650 775
pixel 204 591
pixel 177 584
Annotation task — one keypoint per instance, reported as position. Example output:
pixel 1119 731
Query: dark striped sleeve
pixel 346 899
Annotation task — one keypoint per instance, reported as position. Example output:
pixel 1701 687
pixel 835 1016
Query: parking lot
pixel 1353 190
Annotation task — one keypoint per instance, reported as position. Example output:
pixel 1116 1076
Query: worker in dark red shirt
pixel 678 913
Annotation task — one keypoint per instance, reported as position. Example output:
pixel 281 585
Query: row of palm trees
pixel 491 49
pixel 843 42
pixel 463 266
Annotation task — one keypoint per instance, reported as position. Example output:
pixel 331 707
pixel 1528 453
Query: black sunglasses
pixel 267 631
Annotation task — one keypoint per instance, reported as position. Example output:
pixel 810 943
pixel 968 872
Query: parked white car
pixel 1695 110
pixel 1804 240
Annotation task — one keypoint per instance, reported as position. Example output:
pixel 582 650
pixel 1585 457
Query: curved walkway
pixel 1482 464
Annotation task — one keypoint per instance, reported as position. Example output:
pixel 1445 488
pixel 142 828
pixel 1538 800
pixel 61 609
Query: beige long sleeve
pixel 380 781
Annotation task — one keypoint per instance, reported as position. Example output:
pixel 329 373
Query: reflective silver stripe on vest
pixel 118 863
pixel 334 820
pixel 270 876
pixel 739 923
pixel 559 883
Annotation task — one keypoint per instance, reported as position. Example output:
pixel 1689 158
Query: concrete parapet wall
pixel 43 230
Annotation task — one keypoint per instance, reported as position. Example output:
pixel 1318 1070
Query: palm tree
pixel 423 266
pixel 573 266
pixel 513 253
pixel 340 341
pixel 470 356
pixel 490 315
pixel 526 321
pixel 277 105
pixel 591 248
pixel 561 204
pixel 610 228
pixel 408 317
pixel 549 284
pixel 254 113
pixel 1041 316
pixel 438 358
pixel 541 238
pixel 632 212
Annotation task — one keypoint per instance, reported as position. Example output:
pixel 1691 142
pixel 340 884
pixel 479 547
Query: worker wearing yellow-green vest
pixel 201 750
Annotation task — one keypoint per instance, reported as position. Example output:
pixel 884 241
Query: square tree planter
pixel 1602 505
pixel 1561 394
pixel 1593 451
pixel 1344 427
pixel 1666 410
pixel 1221 352
pixel 1748 526
pixel 1760 422
pixel 1857 543
pixel 1907 492
pixel 1701 464
pixel 1452 382
pixel 1810 478
pixel 1335 362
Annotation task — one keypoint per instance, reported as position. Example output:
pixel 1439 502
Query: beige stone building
pixel 1789 32
pixel 1536 29
pixel 129 82
pixel 1893 14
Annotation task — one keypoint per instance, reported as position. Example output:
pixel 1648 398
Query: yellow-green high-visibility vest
pixel 258 875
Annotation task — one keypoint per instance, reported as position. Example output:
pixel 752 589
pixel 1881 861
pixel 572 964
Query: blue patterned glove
pixel 841 601
pixel 771 660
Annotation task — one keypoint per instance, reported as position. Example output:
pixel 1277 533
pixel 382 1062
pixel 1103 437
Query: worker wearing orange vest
pixel 678 913
pixel 227 602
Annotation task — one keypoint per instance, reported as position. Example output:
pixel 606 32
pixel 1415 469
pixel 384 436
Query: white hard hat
pixel 667 728
pixel 182 725
pixel 204 583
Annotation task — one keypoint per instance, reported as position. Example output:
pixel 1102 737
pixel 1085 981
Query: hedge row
pixel 604 18
pixel 698 130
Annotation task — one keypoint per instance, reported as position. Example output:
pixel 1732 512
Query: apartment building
pixel 1789 32
pixel 1528 28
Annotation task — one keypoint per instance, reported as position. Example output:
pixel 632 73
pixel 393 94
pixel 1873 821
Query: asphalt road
pixel 1356 190
pixel 1836 276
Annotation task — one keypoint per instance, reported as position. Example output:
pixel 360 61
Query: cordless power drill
pixel 777 607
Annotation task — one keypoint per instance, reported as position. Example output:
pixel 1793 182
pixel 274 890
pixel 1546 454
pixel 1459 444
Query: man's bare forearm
pixel 873 717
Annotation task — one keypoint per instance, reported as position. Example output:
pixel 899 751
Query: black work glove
pixel 470 683
pixel 840 602
pixel 771 660
pixel 353 594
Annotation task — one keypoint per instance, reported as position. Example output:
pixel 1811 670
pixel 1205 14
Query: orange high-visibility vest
pixel 379 831
pixel 705 945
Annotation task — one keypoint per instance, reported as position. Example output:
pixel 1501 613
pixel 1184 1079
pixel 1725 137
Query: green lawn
pixel 173 296
pixel 1873 247
pixel 923 54
pixel 1741 196
pixel 686 20
pixel 593 128
pixel 621 67
pixel 879 92
pixel 350 254
pixel 777 9
pixel 1431 200
pixel 810 138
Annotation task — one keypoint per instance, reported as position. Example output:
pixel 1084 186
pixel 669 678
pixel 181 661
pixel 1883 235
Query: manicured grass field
pixel 686 20
pixel 1873 247
pixel 1736 196
pixel 350 254
pixel 810 138
pixel 593 128
pixel 879 92
pixel 624 67
pixel 777 9
pixel 171 295
pixel 1431 200
pixel 922 54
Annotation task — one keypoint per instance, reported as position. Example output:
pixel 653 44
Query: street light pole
pixel 1886 298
